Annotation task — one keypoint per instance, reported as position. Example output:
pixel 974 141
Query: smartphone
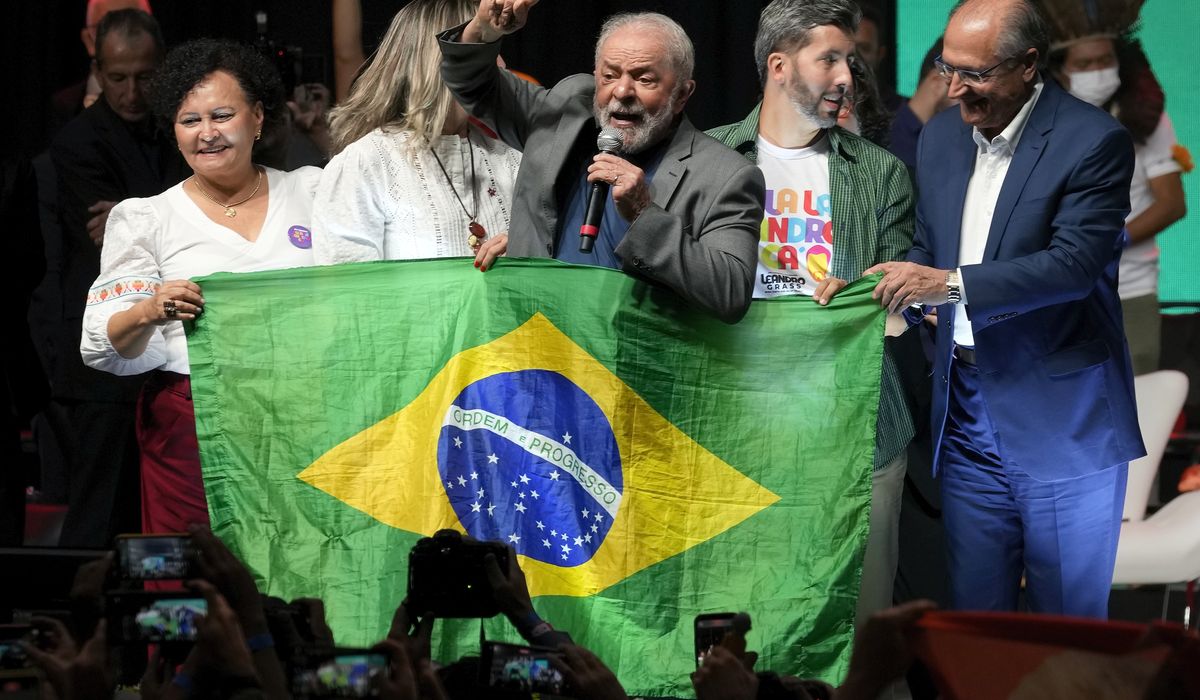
pixel 153 616
pixel 17 672
pixel 349 673
pixel 153 557
pixel 513 671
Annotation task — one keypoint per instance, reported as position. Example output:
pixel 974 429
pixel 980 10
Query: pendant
pixel 230 212
pixel 478 235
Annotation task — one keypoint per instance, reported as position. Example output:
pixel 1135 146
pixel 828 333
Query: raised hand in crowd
pixel 410 672
pixel 882 650
pixel 587 675
pixel 497 18
pixel 220 662
pixel 512 594
pixel 86 675
pixel 231 578
pixel 726 672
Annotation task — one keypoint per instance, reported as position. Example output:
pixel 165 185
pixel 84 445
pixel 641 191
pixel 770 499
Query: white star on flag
pixel 457 442
pixel 599 518
pixel 578 541
pixel 520 507
pixel 546 544
pixel 490 508
pixel 449 485
pixel 566 548
pixel 475 507
pixel 534 495
pixel 493 459
pixel 479 493
pixel 540 526
pixel 513 484
pixel 462 481
pixel 521 495
pixel 585 513
pixel 563 536
pixel 588 538
pixel 567 438
pixel 554 475
pixel 595 529
pixel 524 478
pixel 474 476
pixel 514 538
pixel 554 533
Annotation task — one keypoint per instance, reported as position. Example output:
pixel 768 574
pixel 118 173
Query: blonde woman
pixel 412 176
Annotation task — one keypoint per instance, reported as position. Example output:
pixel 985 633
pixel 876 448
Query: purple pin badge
pixel 300 237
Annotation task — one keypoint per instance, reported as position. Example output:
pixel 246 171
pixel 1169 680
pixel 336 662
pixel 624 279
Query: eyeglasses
pixel 970 77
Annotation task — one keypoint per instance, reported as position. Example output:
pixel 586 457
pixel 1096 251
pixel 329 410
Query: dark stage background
pixel 42 43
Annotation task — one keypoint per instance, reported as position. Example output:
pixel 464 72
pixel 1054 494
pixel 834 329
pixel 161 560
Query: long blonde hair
pixel 402 86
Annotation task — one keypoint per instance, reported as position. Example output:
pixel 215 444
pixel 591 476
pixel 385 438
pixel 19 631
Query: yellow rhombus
pixel 677 494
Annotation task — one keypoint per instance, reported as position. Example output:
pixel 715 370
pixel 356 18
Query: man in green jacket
pixel 835 205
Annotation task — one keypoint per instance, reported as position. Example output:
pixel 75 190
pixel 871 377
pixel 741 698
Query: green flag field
pixel 647 462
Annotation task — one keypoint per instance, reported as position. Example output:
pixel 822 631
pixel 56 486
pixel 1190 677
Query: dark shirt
pixel 612 227
pixel 906 128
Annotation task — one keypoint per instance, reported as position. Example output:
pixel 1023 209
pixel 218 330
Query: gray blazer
pixel 699 237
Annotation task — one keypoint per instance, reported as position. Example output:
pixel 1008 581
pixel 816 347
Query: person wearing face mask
pixel 216 98
pixel 1095 59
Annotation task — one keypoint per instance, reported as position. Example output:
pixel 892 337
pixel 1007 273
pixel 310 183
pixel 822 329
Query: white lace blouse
pixel 379 201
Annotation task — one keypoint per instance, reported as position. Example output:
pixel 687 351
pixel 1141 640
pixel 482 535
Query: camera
pixel 159 617
pixel 447 576
pixel 347 673
pixel 154 557
pixel 513 671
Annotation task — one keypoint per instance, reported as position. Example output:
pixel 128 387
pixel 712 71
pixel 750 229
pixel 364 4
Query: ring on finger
pixel 169 308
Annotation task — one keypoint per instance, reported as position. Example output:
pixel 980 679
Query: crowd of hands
pixel 79 663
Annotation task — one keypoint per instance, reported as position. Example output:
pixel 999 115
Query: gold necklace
pixel 229 208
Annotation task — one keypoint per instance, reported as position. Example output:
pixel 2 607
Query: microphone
pixel 609 141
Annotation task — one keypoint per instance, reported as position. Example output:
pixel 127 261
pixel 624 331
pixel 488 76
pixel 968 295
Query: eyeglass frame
pixel 970 77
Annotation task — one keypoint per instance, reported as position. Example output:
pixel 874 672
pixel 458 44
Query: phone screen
pixel 524 669
pixel 155 557
pixel 163 620
pixel 710 629
pixel 343 676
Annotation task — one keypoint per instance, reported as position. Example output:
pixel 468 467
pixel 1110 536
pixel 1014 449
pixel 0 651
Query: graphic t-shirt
pixel 795 242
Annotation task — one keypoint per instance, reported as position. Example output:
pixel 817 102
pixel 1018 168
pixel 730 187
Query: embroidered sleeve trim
pixel 123 287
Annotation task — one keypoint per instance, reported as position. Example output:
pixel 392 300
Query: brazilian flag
pixel 647 462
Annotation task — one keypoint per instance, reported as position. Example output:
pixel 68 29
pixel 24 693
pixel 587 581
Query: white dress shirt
pixel 983 190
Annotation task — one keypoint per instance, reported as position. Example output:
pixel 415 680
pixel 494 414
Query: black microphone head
pixel 610 140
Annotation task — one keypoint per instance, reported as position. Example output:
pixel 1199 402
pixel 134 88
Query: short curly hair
pixel 188 64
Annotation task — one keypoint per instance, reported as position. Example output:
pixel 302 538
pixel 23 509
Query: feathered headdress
pixel 1075 20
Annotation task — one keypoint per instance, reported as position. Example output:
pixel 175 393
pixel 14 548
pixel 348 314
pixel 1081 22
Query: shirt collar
pixel 1006 141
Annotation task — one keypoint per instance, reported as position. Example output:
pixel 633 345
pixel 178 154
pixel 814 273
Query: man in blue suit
pixel 1022 196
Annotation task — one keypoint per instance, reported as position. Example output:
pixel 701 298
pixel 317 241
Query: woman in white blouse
pixel 412 177
pixel 216 97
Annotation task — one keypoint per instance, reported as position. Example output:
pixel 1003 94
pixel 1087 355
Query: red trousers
pixel 172 490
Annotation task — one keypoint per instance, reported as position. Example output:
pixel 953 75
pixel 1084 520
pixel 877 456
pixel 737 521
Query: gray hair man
pixel 838 205
pixel 1024 192
pixel 683 210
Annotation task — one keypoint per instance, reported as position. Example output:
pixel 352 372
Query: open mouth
pixel 212 150
pixel 625 119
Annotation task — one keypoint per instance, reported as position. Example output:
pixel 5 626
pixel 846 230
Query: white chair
pixel 1164 548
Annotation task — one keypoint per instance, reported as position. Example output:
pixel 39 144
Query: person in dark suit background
pixel 1022 196
pixel 74 98
pixel 110 152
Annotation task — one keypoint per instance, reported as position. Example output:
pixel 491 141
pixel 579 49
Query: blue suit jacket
pixel 1043 304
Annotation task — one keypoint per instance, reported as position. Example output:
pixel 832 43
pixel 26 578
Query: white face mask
pixel 1095 86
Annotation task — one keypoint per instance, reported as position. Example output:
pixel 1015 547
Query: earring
pixel 258 135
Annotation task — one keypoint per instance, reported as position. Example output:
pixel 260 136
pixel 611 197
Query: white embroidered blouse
pixel 379 201
pixel 168 237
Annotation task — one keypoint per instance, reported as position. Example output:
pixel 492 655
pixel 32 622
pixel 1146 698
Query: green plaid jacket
pixel 872 200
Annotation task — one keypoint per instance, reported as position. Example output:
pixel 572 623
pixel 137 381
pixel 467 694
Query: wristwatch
pixel 953 287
